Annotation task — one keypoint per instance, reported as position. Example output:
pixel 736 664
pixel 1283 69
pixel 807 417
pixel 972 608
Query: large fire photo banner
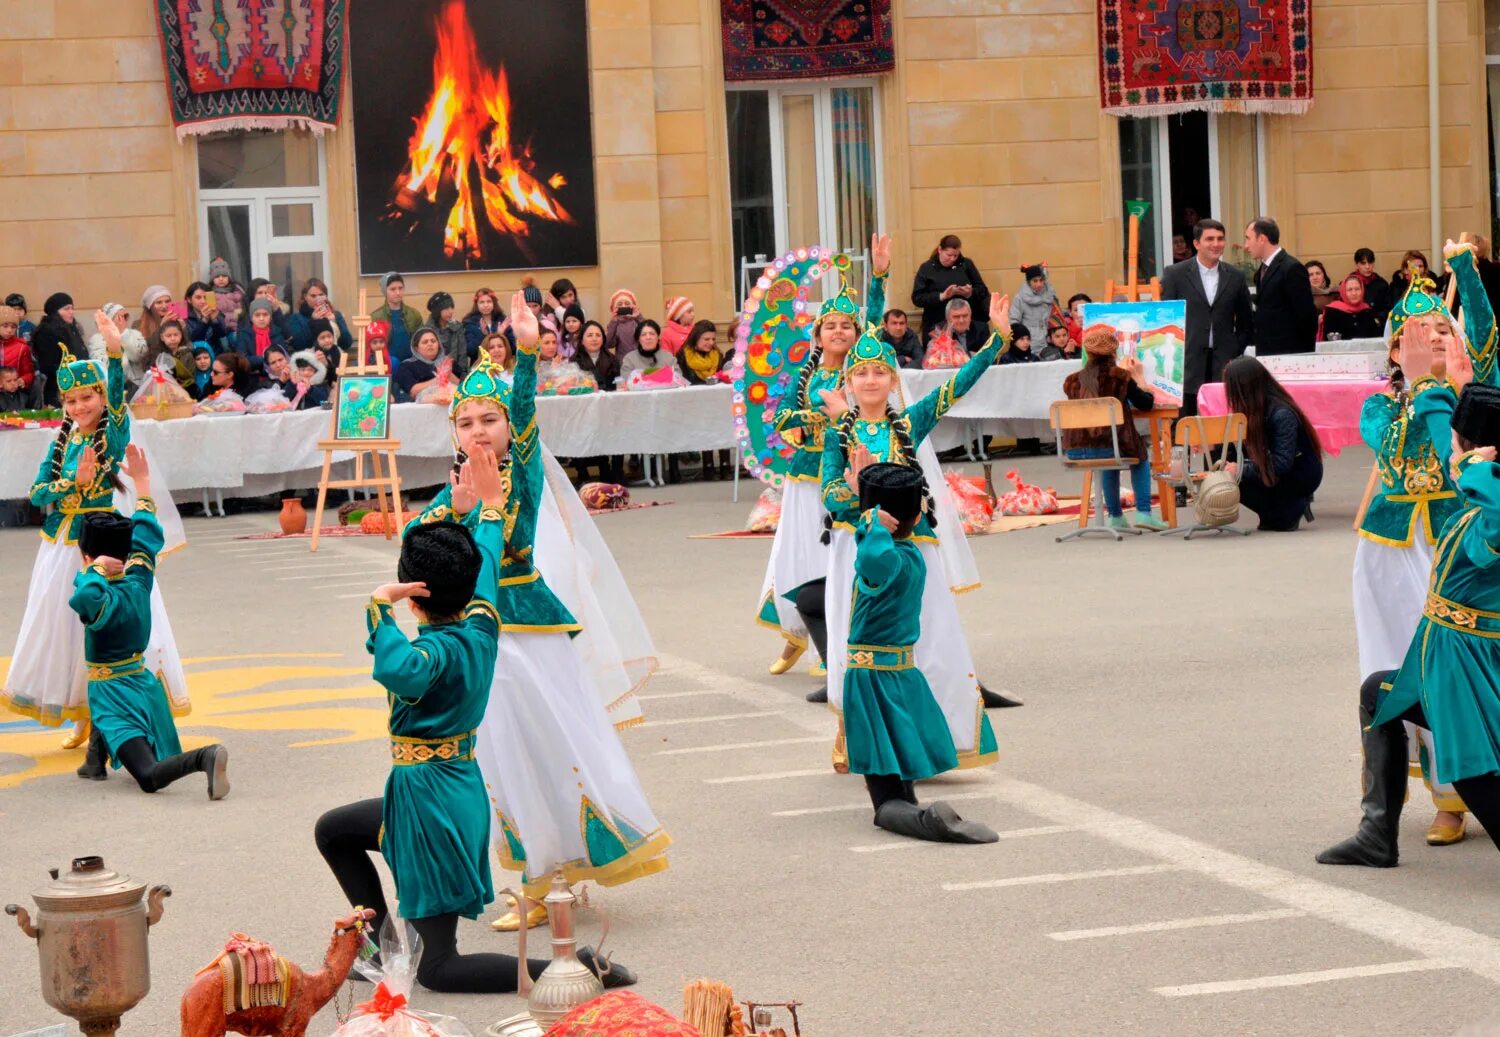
pixel 472 143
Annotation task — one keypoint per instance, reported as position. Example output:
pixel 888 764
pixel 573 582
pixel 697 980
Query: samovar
pixel 90 930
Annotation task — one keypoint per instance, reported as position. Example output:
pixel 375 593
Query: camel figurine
pixel 249 989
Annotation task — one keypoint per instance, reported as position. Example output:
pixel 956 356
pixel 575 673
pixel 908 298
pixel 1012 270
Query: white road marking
pixel 323 576
pixel 708 719
pixel 734 746
pixel 677 695
pixel 773 776
pixel 1009 833
pixel 1302 979
pixel 332 563
pixel 865 806
pixel 1049 878
pixel 1200 922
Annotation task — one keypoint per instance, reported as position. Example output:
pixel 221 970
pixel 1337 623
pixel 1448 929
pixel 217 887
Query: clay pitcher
pixel 293 516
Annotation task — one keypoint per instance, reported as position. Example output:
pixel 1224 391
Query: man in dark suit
pixel 1286 319
pixel 1219 322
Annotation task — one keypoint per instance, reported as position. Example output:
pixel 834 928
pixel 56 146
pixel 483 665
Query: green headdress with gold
pixel 871 349
pixel 80 374
pixel 484 381
pixel 842 301
pixel 1421 300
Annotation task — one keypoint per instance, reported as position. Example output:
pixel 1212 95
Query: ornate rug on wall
pixel 806 39
pixel 1162 56
pixel 253 64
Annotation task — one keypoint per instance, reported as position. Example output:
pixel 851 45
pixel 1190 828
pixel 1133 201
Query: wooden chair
pixel 1199 436
pixel 1103 412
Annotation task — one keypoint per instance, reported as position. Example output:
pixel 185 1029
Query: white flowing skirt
pixel 1390 591
pixel 573 558
pixel 47 679
pixel 942 651
pixel 563 791
pixel 798 554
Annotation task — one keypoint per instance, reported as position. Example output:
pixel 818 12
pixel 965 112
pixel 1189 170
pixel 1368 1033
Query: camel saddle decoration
pixel 250 989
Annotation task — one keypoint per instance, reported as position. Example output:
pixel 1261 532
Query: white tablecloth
pixel 1009 400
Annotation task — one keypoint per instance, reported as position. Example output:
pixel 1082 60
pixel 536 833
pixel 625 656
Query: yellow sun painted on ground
pixel 233 693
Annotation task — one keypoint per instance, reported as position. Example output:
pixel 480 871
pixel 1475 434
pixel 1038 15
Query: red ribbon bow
pixel 384 1004
pixel 158 376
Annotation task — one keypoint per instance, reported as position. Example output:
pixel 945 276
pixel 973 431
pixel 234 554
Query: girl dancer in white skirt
pixel 1414 497
pixel 870 431
pixel 563 790
pixel 80 475
pixel 799 558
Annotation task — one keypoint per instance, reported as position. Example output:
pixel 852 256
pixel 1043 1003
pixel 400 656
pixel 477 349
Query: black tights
pixel 811 608
pixel 885 787
pixel 151 774
pixel 346 837
pixel 1481 795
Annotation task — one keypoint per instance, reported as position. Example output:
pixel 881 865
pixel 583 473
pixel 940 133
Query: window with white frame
pixel 804 169
pixel 263 206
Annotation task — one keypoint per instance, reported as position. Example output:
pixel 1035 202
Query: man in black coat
pixel 1286 318
pixel 1219 321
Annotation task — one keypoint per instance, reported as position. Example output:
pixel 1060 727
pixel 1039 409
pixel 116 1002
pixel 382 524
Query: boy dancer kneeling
pixel 895 730
pixel 112 595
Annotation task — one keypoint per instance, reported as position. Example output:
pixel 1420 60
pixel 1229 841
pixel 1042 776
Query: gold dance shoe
pixel 786 662
pixel 818 669
pixel 511 920
pixel 1444 834
pixel 79 736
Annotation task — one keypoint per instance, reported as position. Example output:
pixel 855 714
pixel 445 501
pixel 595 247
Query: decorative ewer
pixel 567 982
pixel 90 930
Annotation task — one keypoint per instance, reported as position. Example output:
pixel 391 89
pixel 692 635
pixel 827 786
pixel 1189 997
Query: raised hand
pixel 858 462
pixel 109 333
pixel 1486 453
pixel 880 253
pixel 886 519
pixel 523 321
pixel 88 467
pixel 464 497
pixel 1452 248
pixel 1458 365
pixel 483 469
pixel 114 567
pixel 834 404
pixel 1000 314
pixel 1415 355
pixel 139 471
pixel 394 592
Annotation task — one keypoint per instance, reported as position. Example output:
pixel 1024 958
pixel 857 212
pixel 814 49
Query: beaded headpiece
pixel 80 374
pixel 484 381
pixel 1421 300
pixel 841 302
pixel 871 349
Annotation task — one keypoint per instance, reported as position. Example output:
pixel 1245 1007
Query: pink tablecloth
pixel 1333 407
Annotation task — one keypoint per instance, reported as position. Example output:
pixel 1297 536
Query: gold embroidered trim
pixel 406 752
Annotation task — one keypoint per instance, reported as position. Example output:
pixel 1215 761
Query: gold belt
pixel 408 751
pixel 122 668
pixel 881 657
pixel 1460 617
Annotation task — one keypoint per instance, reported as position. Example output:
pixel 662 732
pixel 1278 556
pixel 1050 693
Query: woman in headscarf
pixel 1322 289
pixel 1350 316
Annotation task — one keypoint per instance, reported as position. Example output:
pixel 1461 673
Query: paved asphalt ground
pixel 1188 743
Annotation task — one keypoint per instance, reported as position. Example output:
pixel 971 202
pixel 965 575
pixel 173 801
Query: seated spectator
pixel 594 358
pixel 563 296
pixel 202 372
pixel 1074 316
pixel 58 340
pixel 1377 288
pixel 647 354
pixel 969 335
pixel 546 349
pixel 1322 289
pixel 895 331
pixel 1103 378
pixel 1350 316
pixel 1413 264
pixel 260 335
pixel 401 320
pixel 572 331
pixel 156 307
pixel 277 372
pixel 484 318
pixel 203 323
pixel 315 313
pixel 1059 346
pixel 681 317
pixel 230 371
pixel 172 342
pixel 946 275
pixel 229 294
pixel 1019 351
pixel 260 288
pixel 310 370
pixel 1035 303
pixel 1283 462
pixel 701 359
pixel 377 334
pixel 134 343
pixel 450 332
pixel 15 394
pixel 620 333
pixel 328 354
pixel 17 302
pixel 15 352
pixel 419 371
pixel 502 352
pixel 1181 250
pixel 533 296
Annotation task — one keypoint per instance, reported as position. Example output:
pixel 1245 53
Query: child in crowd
pixel 202 373
pixel 171 340
pixel 203 322
pixel 701 359
pixel 309 370
pixel 377 334
pixel 564 295
pixel 1074 317
pixel 483 319
pixel 681 316
pixel 895 330
pixel 1101 378
pixel 254 341
pixel 533 296
pixel 327 351
pixel 15 351
pixel 260 288
pixel 450 332
pixel 136 347
pixel 647 354
pixel 1019 351
pixel 228 293
pixel 1035 302
pixel 419 371
pixel 620 333
pixel 24 327
pixel 1059 346
pixel 401 320
pixel 572 331
pixel 593 357
pixel 15 394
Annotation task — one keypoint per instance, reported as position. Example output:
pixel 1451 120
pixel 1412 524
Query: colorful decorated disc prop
pixel 773 340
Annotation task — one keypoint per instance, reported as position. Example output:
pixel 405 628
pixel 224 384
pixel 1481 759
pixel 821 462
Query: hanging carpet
pixel 806 39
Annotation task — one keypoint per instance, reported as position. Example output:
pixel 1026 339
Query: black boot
pixel 94 768
pixel 995 700
pixel 212 760
pixel 617 976
pixel 1385 777
pixel 937 823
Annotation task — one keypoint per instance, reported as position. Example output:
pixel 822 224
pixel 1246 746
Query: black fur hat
pixel 895 488
pixel 105 534
pixel 1477 416
pixel 442 555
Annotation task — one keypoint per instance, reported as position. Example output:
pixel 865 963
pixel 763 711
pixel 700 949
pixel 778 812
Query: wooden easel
pixel 1132 290
pixel 381 452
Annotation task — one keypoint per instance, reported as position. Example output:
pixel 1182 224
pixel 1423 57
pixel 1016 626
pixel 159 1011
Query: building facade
pixel 989 127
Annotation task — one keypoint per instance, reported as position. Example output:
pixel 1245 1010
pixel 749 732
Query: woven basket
pixel 150 410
